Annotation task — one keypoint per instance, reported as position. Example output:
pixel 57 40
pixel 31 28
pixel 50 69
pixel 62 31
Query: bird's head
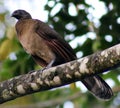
pixel 21 14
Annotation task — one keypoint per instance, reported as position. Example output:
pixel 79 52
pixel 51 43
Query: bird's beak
pixel 13 15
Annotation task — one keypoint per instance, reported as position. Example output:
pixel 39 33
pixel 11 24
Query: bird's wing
pixel 58 45
pixel 39 60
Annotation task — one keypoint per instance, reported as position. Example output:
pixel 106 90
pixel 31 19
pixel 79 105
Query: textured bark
pixel 56 101
pixel 60 75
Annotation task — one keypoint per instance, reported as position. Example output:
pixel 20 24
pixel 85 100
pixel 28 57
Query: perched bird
pixel 49 49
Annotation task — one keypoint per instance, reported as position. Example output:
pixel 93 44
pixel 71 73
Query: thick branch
pixel 56 101
pixel 60 75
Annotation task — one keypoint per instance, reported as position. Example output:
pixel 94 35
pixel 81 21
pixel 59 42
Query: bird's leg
pixel 49 65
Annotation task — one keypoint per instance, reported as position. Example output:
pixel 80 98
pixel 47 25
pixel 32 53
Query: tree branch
pixel 60 75
pixel 56 101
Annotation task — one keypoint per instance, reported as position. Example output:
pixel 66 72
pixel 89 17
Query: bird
pixel 48 49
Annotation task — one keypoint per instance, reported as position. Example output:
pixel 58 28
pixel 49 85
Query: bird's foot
pixel 41 70
pixel 31 71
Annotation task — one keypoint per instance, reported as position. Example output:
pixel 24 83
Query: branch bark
pixel 60 75
pixel 57 101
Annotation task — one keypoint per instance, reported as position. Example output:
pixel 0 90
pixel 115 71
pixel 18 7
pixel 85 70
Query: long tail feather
pixel 98 87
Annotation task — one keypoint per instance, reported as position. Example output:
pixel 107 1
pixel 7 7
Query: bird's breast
pixel 35 45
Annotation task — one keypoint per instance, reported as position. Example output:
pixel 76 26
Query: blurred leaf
pixel 5 49
pixel 96 45
pixel 10 33
pixel 2 17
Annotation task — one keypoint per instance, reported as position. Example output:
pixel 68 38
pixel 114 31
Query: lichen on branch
pixel 60 75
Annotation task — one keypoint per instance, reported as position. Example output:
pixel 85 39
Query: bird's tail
pixel 98 87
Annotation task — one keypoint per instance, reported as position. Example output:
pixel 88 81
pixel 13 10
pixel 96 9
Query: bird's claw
pixel 41 70
pixel 31 71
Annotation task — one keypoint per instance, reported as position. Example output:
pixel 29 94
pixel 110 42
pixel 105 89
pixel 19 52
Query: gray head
pixel 21 14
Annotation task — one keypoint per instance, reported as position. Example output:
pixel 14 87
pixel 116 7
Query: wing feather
pixel 58 45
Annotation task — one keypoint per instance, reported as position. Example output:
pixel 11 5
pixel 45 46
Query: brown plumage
pixel 48 49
